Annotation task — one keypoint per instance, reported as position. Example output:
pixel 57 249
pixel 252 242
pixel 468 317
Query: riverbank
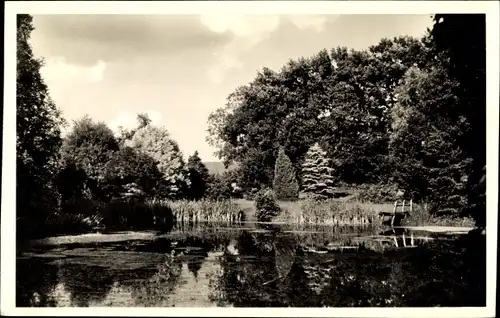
pixel 349 212
pixel 163 214
pixel 311 234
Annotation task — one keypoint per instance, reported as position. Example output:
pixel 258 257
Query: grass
pixel 420 216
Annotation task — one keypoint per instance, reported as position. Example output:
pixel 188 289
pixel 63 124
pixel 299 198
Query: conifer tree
pixel 285 183
pixel 198 177
pixel 317 177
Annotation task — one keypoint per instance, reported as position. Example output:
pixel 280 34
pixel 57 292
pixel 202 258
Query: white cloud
pixel 248 31
pixel 316 22
pixel 128 120
pixel 58 70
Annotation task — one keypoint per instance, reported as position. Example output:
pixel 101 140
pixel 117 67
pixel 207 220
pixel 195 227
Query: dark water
pixel 256 265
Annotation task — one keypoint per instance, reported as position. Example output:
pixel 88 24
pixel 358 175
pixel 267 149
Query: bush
pixel 266 205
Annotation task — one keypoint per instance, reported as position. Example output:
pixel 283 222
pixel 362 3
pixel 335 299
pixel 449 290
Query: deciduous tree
pixel 157 143
pixel 38 124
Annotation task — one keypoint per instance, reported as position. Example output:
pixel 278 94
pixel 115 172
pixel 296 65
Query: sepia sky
pixel 177 68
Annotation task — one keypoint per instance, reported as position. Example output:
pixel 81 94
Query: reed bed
pixel 421 216
pixel 333 212
pixel 185 211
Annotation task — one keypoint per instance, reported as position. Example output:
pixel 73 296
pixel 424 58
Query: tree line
pixel 406 111
pixel 92 163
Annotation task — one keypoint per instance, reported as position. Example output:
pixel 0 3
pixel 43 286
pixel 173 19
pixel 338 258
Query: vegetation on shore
pixel 399 120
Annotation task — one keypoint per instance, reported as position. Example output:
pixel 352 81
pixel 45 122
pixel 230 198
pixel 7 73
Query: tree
pixel 317 179
pixel 157 143
pixel 462 37
pixel 90 146
pixel 285 183
pixel 219 186
pixel 130 169
pixel 198 177
pixel 38 129
pixel 427 127
pixel 126 135
pixel 341 98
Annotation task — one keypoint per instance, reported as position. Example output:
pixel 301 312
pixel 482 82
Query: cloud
pixel 249 31
pixel 316 22
pixel 56 69
pixel 114 38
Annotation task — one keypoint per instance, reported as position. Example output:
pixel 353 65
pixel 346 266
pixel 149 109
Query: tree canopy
pixel 38 125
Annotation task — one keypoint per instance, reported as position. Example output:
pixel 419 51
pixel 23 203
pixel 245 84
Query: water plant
pixel 205 211
pixel 334 212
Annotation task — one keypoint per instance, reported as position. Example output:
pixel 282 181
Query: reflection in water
pixel 261 266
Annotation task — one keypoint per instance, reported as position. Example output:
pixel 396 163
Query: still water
pixel 254 265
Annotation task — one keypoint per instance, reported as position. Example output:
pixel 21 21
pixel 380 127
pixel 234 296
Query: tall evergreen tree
pixel 38 127
pixel 317 174
pixel 198 177
pixel 285 183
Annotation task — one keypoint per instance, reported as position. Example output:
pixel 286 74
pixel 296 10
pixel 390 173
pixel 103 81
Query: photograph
pixel 219 156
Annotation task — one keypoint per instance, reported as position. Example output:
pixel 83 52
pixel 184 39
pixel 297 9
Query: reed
pixel 186 211
pixel 334 212
pixel 421 216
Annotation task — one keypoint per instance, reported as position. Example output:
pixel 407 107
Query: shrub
pixel 266 205
pixel 285 183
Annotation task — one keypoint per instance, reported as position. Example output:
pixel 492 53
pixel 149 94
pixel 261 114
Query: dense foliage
pixel 198 177
pixel 285 183
pixel 407 112
pixel 38 124
pixel 157 143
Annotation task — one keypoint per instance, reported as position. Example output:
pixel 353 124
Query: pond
pixel 255 265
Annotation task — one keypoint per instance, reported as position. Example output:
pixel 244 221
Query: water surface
pixel 255 265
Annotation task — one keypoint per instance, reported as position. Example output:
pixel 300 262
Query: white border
pixel 250 7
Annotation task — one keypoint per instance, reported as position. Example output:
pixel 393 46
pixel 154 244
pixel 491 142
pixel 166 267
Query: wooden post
pixel 394 213
pixel 404 239
pixel 411 206
pixel 403 210
pixel 412 241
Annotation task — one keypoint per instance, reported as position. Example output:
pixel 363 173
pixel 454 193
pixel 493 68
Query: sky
pixel 180 68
